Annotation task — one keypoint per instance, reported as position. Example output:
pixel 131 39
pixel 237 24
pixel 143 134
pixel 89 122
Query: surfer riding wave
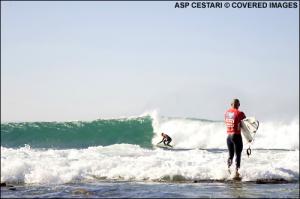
pixel 166 139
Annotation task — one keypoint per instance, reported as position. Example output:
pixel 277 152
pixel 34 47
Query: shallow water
pixel 107 189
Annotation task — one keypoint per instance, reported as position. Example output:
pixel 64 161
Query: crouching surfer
pixel 233 118
pixel 166 139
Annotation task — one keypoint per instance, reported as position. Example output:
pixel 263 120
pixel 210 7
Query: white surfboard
pixel 249 127
pixel 164 146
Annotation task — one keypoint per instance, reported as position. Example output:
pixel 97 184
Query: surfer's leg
pixel 165 142
pixel 238 142
pixel 230 146
pixel 168 142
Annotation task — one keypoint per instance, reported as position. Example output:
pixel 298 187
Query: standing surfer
pixel 166 139
pixel 233 118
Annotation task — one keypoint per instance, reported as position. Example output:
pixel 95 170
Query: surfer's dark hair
pixel 235 102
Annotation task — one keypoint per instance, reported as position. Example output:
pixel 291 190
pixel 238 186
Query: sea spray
pixel 206 134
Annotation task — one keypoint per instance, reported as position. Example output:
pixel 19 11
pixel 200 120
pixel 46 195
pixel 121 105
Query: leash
pixel 249 149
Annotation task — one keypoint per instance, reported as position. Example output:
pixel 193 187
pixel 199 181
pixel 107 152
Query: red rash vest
pixel 233 117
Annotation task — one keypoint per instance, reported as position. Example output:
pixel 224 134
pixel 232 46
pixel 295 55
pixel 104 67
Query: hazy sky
pixel 88 60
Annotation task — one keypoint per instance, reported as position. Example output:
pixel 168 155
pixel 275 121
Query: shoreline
pixel 225 181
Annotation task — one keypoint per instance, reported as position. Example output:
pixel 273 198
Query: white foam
pixel 130 162
pixel 188 133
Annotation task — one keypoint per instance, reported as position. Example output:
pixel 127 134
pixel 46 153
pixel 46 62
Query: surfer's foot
pixel 237 175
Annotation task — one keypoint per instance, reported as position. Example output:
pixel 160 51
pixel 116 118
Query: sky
pixel 63 61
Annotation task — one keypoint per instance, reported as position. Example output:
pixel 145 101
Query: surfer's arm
pixel 161 141
pixel 243 116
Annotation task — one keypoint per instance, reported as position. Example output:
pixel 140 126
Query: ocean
pixel 118 158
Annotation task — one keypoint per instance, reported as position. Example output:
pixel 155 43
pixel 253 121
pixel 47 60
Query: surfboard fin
pixel 248 151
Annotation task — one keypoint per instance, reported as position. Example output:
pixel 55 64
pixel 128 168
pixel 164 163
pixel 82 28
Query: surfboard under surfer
pixel 233 118
pixel 166 139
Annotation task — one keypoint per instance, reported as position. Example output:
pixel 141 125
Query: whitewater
pixel 124 149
